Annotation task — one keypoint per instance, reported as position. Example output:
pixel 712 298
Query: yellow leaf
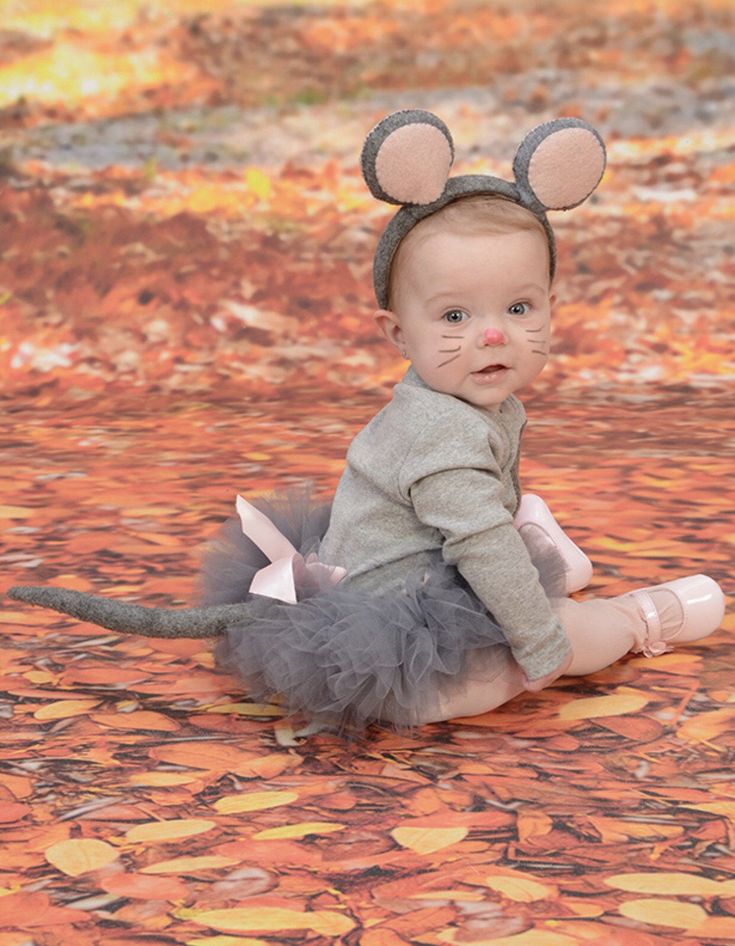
pixel 63 709
pixel 16 512
pixel 520 889
pixel 685 916
pixel 299 830
pixel 80 855
pixel 162 779
pixel 428 840
pixel 187 865
pixel 38 676
pixel 270 920
pixel 583 907
pixel 529 938
pixel 666 882
pixel 253 801
pixel 617 704
pixel 169 830
pixel 258 182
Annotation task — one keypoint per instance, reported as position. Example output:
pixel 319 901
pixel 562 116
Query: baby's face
pixel 473 312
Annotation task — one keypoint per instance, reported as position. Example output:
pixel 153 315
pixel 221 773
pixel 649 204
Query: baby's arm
pixel 465 505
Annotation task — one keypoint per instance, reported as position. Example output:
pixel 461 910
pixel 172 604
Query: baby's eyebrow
pixel 449 296
pixel 529 285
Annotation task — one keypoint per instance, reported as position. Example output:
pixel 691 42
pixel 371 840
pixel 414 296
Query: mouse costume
pixel 407 157
pixel 360 611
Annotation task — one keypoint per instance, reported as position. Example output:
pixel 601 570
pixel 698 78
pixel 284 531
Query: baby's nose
pixel 493 336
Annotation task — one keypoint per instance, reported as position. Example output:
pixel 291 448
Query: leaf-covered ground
pixel 185 313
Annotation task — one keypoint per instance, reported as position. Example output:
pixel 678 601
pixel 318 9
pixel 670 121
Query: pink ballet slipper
pixel 702 608
pixel 533 512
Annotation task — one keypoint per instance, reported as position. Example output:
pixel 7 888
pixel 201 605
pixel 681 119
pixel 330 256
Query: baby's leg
pixel 493 678
pixel 600 631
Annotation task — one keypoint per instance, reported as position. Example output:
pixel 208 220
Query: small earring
pixel 404 353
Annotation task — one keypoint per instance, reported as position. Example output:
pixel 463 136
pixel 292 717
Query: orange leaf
pixel 532 824
pixel 144 887
pixel 32 910
pixel 138 719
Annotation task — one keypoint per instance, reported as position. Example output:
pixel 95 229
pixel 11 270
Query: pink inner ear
pixel 566 167
pixel 413 163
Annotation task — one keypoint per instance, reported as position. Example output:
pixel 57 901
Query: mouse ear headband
pixel 407 157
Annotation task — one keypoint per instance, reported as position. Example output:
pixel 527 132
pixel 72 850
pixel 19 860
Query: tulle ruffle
pixel 342 654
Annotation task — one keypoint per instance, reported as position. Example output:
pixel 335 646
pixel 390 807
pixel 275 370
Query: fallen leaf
pixel 140 887
pixel 299 830
pixel 520 889
pixel 271 920
pixel 666 882
pixel 187 865
pixel 428 840
pixel 64 709
pixel 616 704
pixel 170 830
pixel 80 855
pixel 685 916
pixel 253 801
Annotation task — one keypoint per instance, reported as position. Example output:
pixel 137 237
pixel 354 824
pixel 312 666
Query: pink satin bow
pixel 278 580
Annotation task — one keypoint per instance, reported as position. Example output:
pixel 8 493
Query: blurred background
pixel 182 209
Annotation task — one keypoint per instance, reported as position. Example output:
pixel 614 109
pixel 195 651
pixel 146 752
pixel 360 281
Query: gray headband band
pixel 406 160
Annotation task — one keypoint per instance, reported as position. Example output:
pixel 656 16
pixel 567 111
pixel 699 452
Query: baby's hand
pixel 535 685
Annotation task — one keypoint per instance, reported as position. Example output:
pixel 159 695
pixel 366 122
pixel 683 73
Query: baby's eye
pixel 455 316
pixel 519 308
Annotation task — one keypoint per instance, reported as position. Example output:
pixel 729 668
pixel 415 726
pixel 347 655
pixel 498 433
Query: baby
pixel 455 597
pixel 431 588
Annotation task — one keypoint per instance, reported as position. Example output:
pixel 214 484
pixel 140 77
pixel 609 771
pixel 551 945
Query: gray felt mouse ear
pixel 559 164
pixel 407 156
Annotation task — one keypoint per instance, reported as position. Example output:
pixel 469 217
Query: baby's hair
pixel 469 216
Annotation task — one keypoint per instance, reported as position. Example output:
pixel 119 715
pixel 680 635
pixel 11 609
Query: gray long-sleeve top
pixel 431 472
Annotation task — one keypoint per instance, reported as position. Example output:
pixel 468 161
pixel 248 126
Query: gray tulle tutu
pixel 341 654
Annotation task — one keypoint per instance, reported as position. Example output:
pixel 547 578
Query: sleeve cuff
pixel 545 655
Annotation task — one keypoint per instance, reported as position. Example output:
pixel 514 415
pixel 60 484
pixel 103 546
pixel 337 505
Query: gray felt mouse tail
pixel 209 621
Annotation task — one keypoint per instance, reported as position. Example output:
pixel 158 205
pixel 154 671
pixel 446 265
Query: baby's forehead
pixel 432 241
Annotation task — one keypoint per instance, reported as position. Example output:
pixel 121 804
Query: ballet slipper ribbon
pixel 654 644
pixel 278 580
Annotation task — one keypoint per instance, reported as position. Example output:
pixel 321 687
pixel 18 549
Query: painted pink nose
pixel 493 336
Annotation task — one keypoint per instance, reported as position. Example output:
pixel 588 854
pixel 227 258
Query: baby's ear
pixel 389 326
pixel 559 164
pixel 407 156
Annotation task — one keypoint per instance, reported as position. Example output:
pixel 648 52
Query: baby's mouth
pixel 490 369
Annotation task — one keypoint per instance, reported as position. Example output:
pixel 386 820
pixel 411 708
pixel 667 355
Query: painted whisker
pixel 448 361
pixel 445 351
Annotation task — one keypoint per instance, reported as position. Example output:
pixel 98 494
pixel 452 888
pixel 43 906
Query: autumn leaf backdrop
pixel 185 312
